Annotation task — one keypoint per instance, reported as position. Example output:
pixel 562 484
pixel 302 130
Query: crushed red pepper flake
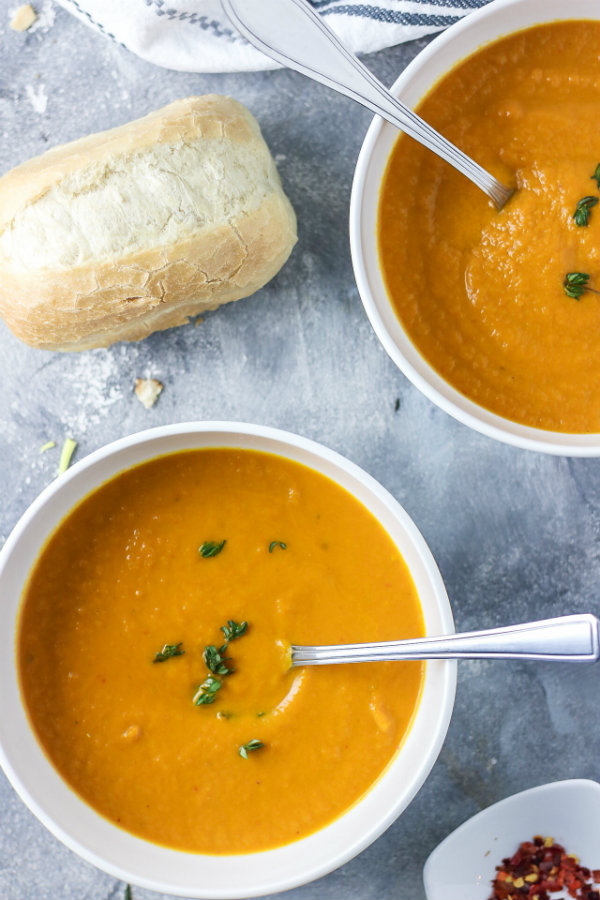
pixel 540 868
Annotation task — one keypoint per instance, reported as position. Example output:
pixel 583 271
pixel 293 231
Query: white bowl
pixel 194 875
pixel 464 864
pixel 493 21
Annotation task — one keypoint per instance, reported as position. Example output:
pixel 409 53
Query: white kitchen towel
pixel 195 36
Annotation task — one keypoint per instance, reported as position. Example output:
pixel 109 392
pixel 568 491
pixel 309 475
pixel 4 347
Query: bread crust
pixel 128 296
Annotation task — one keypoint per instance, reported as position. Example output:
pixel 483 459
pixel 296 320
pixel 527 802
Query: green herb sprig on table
pixel 168 651
pixel 583 210
pixel 250 747
pixel 575 285
pixel 210 548
pixel 68 449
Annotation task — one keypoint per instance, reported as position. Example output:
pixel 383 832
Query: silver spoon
pixel 293 34
pixel 565 639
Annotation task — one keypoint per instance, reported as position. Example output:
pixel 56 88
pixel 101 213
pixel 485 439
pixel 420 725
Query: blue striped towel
pixel 194 36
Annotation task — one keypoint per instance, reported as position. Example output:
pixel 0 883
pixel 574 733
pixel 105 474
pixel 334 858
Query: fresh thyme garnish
pixel 127 894
pixel 168 651
pixel 583 210
pixel 596 175
pixel 259 715
pixel 206 692
pixel 210 548
pixel 245 749
pixel 576 284
pixel 274 544
pixel 215 661
pixel 233 630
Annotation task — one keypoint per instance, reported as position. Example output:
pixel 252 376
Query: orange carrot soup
pixel 505 305
pixel 154 650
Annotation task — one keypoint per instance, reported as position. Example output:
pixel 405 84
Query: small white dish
pixel 463 866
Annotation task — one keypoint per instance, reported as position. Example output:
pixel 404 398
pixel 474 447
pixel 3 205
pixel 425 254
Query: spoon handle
pixel 293 34
pixel 565 639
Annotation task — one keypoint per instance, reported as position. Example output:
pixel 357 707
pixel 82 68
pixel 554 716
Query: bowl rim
pixel 468 34
pixel 82 478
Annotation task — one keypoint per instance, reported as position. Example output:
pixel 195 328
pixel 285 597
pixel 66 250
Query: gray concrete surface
pixel 515 533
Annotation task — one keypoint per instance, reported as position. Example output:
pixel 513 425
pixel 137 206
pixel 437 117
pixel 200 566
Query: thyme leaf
pixel 583 210
pixel 215 661
pixel 210 548
pixel 168 651
pixel 274 544
pixel 250 747
pixel 596 175
pixel 232 631
pixel 206 692
pixel 576 284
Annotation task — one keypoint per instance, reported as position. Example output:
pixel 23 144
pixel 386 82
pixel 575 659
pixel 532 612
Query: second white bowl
pixel 142 863
pixel 495 20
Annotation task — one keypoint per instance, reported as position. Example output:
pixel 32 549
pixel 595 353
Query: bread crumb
pixel 23 17
pixel 37 98
pixel 147 391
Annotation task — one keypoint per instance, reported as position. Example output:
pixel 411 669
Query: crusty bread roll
pixel 133 230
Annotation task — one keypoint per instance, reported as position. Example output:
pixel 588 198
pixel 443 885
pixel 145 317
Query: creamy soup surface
pixel 141 564
pixel 480 292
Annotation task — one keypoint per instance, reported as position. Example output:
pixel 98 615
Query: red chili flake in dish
pixel 540 868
